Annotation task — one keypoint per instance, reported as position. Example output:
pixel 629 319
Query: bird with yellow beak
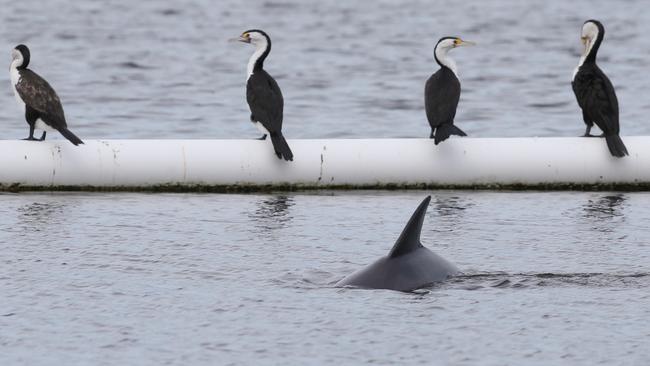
pixel 263 94
pixel 442 91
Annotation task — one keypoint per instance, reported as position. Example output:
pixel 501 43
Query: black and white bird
pixel 594 92
pixel 442 91
pixel 263 93
pixel 40 103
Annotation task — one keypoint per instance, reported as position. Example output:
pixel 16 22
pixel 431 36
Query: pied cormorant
pixel 442 91
pixel 263 93
pixel 40 103
pixel 594 92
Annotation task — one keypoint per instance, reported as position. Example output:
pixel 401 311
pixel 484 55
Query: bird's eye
pixel 456 41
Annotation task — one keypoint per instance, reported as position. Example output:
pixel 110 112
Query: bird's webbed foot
pixel 588 132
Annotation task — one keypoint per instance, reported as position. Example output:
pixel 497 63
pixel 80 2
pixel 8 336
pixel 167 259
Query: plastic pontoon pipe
pixel 250 164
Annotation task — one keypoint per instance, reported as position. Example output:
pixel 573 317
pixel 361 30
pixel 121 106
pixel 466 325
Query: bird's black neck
pixel 443 59
pixel 259 63
pixel 25 63
pixel 445 67
pixel 593 52
pixel 435 56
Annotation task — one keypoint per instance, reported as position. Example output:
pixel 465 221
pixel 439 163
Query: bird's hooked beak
pixel 460 43
pixel 585 42
pixel 245 38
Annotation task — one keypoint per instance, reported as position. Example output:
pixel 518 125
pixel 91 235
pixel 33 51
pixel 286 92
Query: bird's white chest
pixel 262 129
pixel 40 125
pixel 15 78
pixel 575 72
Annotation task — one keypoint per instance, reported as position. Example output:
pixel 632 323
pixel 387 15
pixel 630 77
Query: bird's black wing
pixel 441 95
pixel 597 98
pixel 265 100
pixel 40 96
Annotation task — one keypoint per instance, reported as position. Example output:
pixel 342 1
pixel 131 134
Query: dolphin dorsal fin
pixel 409 240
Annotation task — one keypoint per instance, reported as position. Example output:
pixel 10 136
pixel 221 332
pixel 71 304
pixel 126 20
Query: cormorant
pixel 263 93
pixel 595 93
pixel 442 91
pixel 40 103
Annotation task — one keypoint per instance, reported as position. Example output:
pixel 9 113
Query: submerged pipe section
pixel 553 162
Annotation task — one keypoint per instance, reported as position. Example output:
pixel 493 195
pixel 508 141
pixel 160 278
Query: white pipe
pixel 243 164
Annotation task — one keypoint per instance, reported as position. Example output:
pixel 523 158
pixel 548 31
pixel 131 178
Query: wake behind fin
pixel 409 240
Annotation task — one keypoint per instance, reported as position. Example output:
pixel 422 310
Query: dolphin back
pixel 409 272
pixel 408 266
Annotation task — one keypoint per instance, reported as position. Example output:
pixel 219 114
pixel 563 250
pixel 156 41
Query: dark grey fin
pixel 409 240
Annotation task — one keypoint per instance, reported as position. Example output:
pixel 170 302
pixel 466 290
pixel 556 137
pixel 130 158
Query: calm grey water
pixel 556 278
pixel 105 279
pixel 164 69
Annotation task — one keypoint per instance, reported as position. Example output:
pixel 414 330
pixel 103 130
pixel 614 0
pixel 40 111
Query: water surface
pixel 164 69
pixel 556 278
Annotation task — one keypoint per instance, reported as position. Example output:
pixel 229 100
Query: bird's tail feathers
pixel 281 147
pixel 70 136
pixel 444 131
pixel 616 146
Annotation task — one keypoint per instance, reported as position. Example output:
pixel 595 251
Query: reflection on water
pixel 451 205
pixel 605 212
pixel 37 216
pixel 450 211
pixel 605 207
pixel 272 213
